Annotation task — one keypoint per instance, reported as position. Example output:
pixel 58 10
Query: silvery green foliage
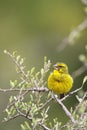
pixel 31 100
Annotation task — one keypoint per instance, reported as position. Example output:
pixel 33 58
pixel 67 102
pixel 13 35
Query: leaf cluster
pixel 32 97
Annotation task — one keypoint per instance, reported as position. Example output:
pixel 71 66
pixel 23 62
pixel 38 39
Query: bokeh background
pixel 36 28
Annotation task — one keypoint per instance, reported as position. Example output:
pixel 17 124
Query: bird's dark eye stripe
pixel 61 66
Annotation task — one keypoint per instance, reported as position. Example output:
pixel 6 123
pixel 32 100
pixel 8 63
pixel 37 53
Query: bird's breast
pixel 60 83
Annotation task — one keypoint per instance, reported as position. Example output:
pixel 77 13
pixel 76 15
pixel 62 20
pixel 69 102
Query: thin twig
pixel 18 115
pixel 82 99
pixel 15 116
pixel 43 89
pixel 22 114
pixel 46 103
pixel 13 59
pixel 71 93
pixel 64 126
pixel 79 71
pixel 44 127
pixel 69 40
pixel 40 90
pixel 26 116
pixel 20 97
pixel 65 109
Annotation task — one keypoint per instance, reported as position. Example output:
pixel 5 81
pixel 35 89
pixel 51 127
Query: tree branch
pixel 69 40
pixel 42 89
pixel 65 109
pixel 44 127
pixel 71 93
pixel 46 103
pixel 79 71
pixel 19 66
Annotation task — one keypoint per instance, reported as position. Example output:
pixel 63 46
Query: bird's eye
pixel 60 66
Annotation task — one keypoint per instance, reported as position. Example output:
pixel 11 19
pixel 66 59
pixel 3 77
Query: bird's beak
pixel 55 67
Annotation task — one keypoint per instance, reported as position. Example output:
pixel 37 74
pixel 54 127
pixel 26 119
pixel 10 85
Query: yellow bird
pixel 60 81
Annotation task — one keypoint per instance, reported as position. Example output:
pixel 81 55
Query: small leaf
pixel 15 98
pixel 14 53
pixel 5 119
pixel 37 74
pixel 82 58
pixel 21 61
pixel 85 79
pixel 27 125
pixel 79 99
pixel 22 67
pixel 18 58
pixel 45 60
pixel 42 71
pixel 15 82
pixel 11 99
pixel 22 127
pixel 12 84
pixel 5 51
pixel 32 70
pixel 7 111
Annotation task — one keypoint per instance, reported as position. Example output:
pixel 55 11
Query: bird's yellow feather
pixel 60 80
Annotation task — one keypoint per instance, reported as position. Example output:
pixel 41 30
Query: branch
pixel 68 40
pixel 82 99
pixel 79 71
pixel 17 115
pixel 65 109
pixel 17 64
pixel 23 94
pixel 46 103
pixel 71 93
pixel 6 120
pixel 43 89
pixel 75 91
pixel 44 127
pixel 22 114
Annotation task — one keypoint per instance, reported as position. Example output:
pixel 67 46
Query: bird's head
pixel 61 67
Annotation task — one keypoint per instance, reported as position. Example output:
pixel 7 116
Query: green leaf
pixel 15 82
pixel 18 58
pixel 78 98
pixel 5 51
pixel 32 70
pixel 21 61
pixel 12 84
pixel 42 71
pixel 25 126
pixel 11 99
pixel 45 60
pixel 37 74
pixel 82 58
pixel 7 111
pixel 85 79
pixel 14 53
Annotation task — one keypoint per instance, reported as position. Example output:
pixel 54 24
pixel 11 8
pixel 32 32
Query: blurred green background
pixel 35 28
